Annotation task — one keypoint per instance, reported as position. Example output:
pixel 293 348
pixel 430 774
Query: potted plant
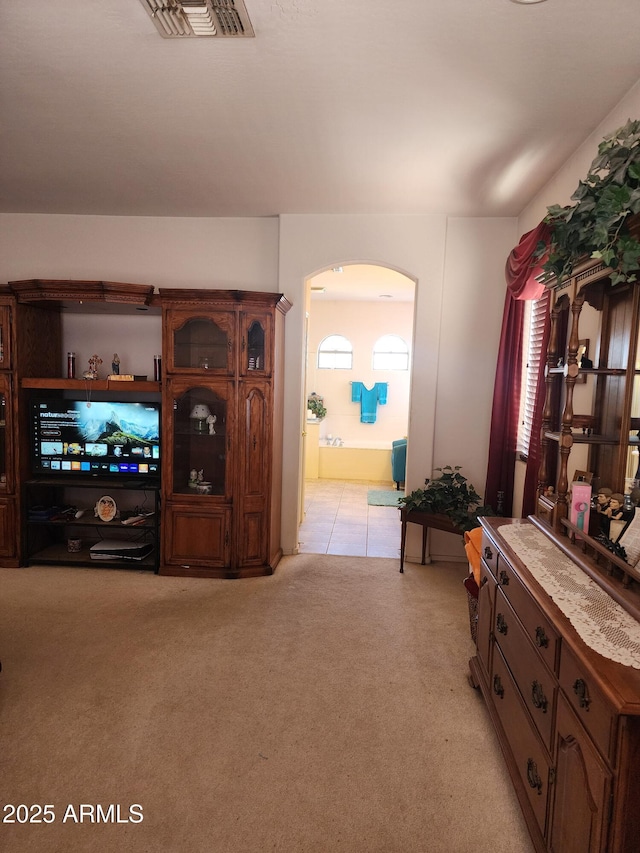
pixel 602 222
pixel 449 495
pixel 315 405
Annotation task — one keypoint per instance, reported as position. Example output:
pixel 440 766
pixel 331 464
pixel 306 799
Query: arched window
pixel 335 351
pixel 390 353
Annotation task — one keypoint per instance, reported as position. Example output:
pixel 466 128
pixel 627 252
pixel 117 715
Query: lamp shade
pixel 200 412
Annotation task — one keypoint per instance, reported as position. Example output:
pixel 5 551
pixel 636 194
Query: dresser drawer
pixel 537 686
pixel 543 635
pixel 529 755
pixel 490 555
pixel 590 705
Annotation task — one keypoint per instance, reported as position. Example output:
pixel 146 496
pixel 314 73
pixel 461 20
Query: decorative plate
pixel 106 508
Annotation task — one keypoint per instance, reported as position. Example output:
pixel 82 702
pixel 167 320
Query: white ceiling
pixel 362 283
pixel 463 107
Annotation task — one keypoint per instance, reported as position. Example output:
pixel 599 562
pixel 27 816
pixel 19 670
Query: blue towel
pixel 369 398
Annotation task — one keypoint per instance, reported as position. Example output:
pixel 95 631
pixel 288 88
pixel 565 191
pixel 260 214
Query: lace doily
pixel 601 622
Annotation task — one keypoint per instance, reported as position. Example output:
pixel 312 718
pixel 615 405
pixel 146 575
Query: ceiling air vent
pixel 200 18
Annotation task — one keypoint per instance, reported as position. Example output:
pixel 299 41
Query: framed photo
pixel 583 359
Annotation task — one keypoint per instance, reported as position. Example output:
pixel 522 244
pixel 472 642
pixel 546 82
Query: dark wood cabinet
pixel 5 336
pixel 567 714
pixel 222 421
pixel 591 417
pixel 221 391
pixel 30 345
pixel 583 785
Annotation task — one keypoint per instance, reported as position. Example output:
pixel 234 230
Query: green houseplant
pixel 597 224
pixel 449 494
pixel 315 404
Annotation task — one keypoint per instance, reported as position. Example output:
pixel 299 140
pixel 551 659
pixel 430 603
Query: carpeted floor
pixel 325 708
pixel 384 497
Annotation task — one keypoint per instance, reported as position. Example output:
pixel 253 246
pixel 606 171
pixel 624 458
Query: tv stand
pixel 53 535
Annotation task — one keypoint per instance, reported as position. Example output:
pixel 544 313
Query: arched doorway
pixel 344 452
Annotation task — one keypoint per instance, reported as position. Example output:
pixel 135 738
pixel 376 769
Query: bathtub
pixel 364 461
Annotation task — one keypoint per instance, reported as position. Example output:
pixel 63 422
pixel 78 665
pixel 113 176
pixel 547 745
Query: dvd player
pixel 120 549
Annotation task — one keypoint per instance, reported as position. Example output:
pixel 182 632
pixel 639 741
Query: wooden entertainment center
pixel 214 509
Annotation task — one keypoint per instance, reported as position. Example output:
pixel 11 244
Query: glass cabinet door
pixel 201 440
pixel 255 356
pixel 633 449
pixel 203 343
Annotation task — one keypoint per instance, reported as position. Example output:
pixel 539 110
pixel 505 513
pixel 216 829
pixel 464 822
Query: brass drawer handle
pixel 498 689
pixel 538 698
pixel 501 624
pixel 488 553
pixel 582 692
pixel 504 578
pixel 542 641
pixel 533 778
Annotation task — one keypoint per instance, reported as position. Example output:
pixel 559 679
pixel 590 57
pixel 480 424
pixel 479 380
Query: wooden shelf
pixel 103 483
pixel 591 371
pixel 90 384
pixel 60 555
pixel 579 438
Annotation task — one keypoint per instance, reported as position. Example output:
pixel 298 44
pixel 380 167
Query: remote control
pixel 133 519
pixel 136 519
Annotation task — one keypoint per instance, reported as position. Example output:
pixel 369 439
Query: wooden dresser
pixel 567 716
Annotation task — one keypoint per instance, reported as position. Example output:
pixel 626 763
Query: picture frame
pixel 583 356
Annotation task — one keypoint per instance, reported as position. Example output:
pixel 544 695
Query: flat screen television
pixel 117 439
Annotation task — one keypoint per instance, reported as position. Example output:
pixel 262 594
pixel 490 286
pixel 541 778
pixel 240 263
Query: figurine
pixel 94 362
pixel 615 508
pixel 211 420
pixel 602 499
pixel 193 478
pixel 600 503
pixel 115 364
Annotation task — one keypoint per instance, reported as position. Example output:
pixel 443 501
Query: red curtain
pixel 520 272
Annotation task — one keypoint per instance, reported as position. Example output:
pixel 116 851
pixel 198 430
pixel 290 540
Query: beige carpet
pixel 323 709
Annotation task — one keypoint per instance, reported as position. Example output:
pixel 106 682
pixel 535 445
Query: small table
pixel 427 520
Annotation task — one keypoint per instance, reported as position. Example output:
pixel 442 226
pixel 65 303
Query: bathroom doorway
pixel 359 341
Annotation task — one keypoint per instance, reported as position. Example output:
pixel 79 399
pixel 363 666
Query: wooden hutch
pixel 598 434
pixel 558 637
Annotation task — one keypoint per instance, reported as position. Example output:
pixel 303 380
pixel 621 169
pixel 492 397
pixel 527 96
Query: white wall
pixel 561 187
pixel 238 254
pixel 460 289
pixel 474 288
pixel 458 267
pixel 363 323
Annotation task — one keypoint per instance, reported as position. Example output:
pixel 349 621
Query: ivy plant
pixel 448 494
pixel 597 224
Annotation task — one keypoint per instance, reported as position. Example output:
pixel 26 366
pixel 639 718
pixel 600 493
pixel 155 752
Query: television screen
pixel 100 439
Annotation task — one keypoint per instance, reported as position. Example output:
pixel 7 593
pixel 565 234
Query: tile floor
pixel 338 520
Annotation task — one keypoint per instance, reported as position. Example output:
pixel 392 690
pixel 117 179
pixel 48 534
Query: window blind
pixel 535 316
